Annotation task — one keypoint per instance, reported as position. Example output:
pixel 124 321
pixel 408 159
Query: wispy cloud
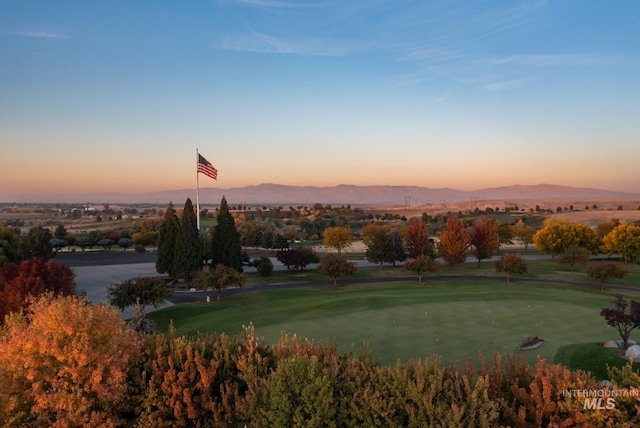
pixel 276 4
pixel 573 60
pixel 264 43
pixel 40 34
pixel 508 84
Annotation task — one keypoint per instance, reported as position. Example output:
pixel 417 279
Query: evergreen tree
pixel 38 243
pixel 167 241
pixel 398 247
pixel 225 242
pixel 187 258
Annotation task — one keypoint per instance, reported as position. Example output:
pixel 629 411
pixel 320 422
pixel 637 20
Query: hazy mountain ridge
pixel 269 193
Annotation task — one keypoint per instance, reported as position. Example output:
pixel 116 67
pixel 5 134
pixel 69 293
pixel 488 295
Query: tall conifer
pixel 225 242
pixel 167 241
pixel 188 250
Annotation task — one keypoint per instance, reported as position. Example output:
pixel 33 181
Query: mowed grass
pixel 454 318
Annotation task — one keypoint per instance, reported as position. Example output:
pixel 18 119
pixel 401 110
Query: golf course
pixel 454 317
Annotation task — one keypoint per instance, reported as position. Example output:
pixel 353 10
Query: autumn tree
pixel 219 278
pixel 297 258
pixel 66 363
pixel 484 238
pixel 141 290
pixel 575 255
pixel 623 321
pixel 188 248
pixel 623 240
pixel 556 236
pixel 421 265
pixel 167 236
pixel 37 244
pixel 32 278
pixel 603 272
pixel 511 264
pixel 417 241
pixel 225 240
pixel 454 242
pixel 523 233
pixel 10 248
pixel 338 237
pixel 335 267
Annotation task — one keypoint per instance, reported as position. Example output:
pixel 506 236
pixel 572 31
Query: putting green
pixel 456 319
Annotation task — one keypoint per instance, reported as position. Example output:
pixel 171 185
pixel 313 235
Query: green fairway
pixel 454 318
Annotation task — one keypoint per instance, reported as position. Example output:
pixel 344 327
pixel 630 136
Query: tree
pixel 297 258
pixel 400 254
pixel 84 243
pixel 219 278
pixel 60 232
pixel 142 290
pixel 338 237
pixel 421 265
pixel 335 267
pixel 32 278
pixel 66 363
pixel 523 233
pixel 454 242
pixel 58 244
pixel 125 243
pixel 484 238
pixel 10 248
pixel 167 242
pixel 187 259
pixel 263 265
pixel 575 255
pixel 623 240
pixel 380 248
pixel 603 272
pixel 505 233
pixel 623 321
pixel 106 243
pixel 556 236
pixel 511 264
pixel 225 240
pixel 38 243
pixel 417 241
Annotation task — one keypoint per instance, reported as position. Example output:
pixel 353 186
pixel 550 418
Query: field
pixel 454 318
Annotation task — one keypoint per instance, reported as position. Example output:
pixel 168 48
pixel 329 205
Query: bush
pixel 139 248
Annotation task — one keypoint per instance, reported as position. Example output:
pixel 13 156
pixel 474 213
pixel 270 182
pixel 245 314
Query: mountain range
pixel 343 194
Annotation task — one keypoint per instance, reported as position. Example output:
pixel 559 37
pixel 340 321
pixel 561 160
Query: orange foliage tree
pixel 454 242
pixel 417 240
pixel 32 278
pixel 66 363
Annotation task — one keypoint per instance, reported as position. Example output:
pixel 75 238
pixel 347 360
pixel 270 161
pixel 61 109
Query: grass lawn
pixel 454 318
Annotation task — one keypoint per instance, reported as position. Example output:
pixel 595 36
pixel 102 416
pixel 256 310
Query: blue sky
pixel 118 95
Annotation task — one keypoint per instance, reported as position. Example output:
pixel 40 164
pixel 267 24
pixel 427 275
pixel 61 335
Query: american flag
pixel 205 167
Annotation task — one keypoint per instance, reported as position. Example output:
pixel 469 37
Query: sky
pixel 117 96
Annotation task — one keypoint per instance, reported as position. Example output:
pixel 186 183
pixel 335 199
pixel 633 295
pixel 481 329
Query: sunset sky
pixel 117 96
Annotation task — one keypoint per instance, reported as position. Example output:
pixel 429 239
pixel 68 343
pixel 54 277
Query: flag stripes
pixel 205 167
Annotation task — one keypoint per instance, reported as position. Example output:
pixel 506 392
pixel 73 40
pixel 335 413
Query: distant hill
pixel 342 194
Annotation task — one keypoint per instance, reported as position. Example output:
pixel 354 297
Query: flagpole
pixel 197 190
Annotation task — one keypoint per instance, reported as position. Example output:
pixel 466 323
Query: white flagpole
pixel 197 189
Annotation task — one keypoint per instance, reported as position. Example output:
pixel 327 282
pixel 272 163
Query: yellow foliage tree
pixel 66 363
pixel 556 236
pixel 338 237
pixel 623 240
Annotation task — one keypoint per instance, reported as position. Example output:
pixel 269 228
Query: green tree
pixel 338 237
pixel 225 240
pixel 60 232
pixel 10 248
pixel 125 243
pixel 219 278
pixel 422 264
pixel 335 267
pixel 511 264
pixel 167 242
pixel 454 242
pixel 623 240
pixel 188 250
pixel 400 254
pixel 297 258
pixel 603 272
pixel 37 244
pixel 141 290
pixel 484 238
pixel 84 243
pixel 380 247
pixel 523 233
